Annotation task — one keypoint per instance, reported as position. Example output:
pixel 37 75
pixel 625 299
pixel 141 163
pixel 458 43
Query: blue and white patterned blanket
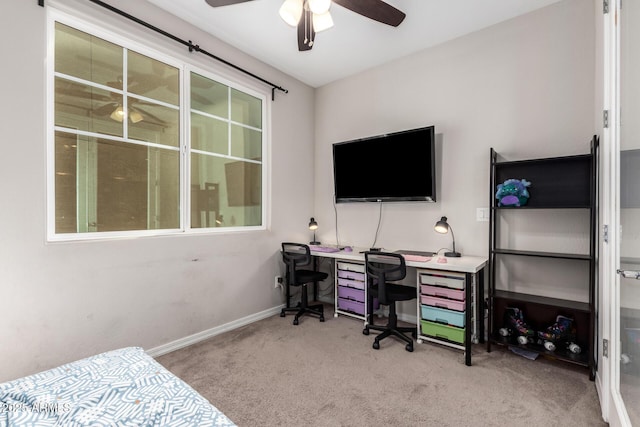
pixel 123 387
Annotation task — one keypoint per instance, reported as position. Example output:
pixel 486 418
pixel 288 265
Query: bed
pixel 123 387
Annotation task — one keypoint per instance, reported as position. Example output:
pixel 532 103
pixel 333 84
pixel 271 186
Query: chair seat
pixel 398 292
pixel 308 276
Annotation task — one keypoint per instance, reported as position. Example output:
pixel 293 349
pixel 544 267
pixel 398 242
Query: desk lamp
pixel 313 225
pixel 443 227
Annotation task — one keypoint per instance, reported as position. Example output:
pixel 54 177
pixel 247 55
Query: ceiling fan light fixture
pixel 322 21
pixel 291 11
pixel 135 116
pixel 117 114
pixel 319 6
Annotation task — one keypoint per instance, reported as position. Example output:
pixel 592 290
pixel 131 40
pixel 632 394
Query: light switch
pixel 482 214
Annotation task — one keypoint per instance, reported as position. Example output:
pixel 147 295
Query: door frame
pixel 608 376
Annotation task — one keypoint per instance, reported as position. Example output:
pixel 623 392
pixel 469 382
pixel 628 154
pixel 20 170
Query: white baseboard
pixel 201 336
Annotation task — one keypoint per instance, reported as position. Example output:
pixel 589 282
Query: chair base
pixel 387 331
pixel 315 309
pixel 304 308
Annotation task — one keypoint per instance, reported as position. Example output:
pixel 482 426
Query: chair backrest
pixel 295 255
pixel 383 267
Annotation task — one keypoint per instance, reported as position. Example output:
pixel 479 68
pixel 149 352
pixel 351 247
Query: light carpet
pixel 271 373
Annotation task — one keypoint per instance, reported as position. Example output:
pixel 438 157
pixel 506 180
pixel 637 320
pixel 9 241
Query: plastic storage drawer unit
pixel 443 303
pixel 452 280
pixel 440 315
pixel 436 291
pixel 447 332
pixel 350 293
pixel 350 305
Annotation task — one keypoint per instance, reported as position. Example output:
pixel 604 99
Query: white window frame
pixel 185 68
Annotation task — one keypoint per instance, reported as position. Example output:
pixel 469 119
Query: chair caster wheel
pixel 376 345
pixel 322 318
pixel 282 314
pixel 365 331
pixel 295 321
pixel 409 348
pixel 335 315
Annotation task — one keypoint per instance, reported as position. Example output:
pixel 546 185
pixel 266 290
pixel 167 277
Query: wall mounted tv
pixel 395 167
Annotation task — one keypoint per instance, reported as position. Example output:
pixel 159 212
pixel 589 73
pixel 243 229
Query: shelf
pixel 537 299
pixel 559 182
pixel 581 358
pixel 528 207
pixel 543 254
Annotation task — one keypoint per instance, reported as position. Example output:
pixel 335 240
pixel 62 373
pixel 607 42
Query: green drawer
pixel 447 332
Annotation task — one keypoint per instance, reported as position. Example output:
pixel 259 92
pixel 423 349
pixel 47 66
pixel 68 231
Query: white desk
pixel 471 266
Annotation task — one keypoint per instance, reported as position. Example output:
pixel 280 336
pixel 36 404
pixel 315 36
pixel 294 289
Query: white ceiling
pixel 355 43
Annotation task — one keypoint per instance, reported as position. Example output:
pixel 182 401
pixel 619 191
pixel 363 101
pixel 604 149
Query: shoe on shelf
pixel 514 324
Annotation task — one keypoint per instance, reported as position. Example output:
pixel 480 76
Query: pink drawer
pixel 441 302
pixel 436 291
pixel 350 293
pixel 345 274
pixel 352 283
pixel 349 305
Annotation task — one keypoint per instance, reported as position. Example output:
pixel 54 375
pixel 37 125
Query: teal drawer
pixel 442 315
pixel 447 332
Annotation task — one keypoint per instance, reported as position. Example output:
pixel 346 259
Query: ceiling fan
pixel 312 16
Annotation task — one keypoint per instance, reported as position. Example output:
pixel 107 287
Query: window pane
pixel 65 182
pixel 246 109
pixel 87 57
pixel 246 143
pixel 82 107
pixel 153 123
pixel 114 186
pixel 225 192
pixel 209 96
pixel 152 79
pixel 208 134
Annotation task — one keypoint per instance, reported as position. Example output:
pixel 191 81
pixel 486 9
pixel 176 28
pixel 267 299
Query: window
pixel 131 155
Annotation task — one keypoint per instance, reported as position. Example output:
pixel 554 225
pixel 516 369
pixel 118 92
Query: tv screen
pixel 387 168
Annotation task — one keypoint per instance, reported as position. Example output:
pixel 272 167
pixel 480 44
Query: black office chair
pixel 297 255
pixel 383 267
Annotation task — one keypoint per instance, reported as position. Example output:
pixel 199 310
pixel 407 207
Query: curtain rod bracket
pixel 194 47
pixel 41 3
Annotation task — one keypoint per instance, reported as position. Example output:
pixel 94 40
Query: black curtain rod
pixel 192 47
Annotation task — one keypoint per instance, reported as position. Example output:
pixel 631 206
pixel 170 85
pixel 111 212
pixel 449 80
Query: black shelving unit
pixel 568 182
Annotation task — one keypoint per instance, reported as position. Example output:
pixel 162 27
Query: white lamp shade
pixel 322 22
pixel 319 6
pixel 291 11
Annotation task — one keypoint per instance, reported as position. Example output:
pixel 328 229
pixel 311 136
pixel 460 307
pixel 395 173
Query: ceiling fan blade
pixel 306 33
pixel 374 9
pixel 218 3
pixel 106 109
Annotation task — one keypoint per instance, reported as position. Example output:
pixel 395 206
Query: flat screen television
pixel 395 167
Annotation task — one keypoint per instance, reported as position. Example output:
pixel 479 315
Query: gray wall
pixel 525 87
pixel 64 301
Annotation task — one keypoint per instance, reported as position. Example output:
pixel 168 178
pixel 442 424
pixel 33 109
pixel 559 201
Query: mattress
pixel 123 387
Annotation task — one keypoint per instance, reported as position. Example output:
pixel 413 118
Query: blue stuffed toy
pixel 513 192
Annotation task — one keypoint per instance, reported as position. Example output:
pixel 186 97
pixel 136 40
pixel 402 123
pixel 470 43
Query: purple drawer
pixel 345 274
pixel 350 293
pixel 441 302
pixel 352 283
pixel 350 305
pixel 436 291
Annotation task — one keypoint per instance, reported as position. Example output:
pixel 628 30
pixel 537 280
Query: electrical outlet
pixel 277 283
